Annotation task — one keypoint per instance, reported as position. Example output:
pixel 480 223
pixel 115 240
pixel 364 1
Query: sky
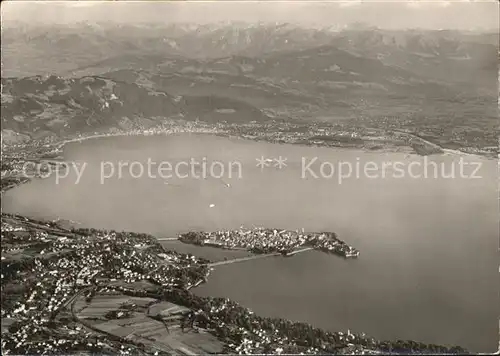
pixel 435 14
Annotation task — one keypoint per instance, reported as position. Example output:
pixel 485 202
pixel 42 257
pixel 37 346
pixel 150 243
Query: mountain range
pixel 62 80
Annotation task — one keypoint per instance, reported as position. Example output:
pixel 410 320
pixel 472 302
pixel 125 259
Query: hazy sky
pixel 455 14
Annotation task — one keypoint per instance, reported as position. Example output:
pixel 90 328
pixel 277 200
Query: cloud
pixel 386 14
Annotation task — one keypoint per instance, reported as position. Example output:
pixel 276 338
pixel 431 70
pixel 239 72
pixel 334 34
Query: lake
pixel 428 268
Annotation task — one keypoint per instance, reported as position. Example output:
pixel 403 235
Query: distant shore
pixel 318 139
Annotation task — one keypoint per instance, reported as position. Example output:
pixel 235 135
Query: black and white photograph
pixel 250 177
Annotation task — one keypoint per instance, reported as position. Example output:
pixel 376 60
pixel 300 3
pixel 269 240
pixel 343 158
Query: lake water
pixel 428 268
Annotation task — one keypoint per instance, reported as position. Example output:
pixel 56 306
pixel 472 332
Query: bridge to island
pixel 259 256
pixel 247 258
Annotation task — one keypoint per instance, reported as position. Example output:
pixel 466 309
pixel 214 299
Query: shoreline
pixel 445 151
pixel 59 146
